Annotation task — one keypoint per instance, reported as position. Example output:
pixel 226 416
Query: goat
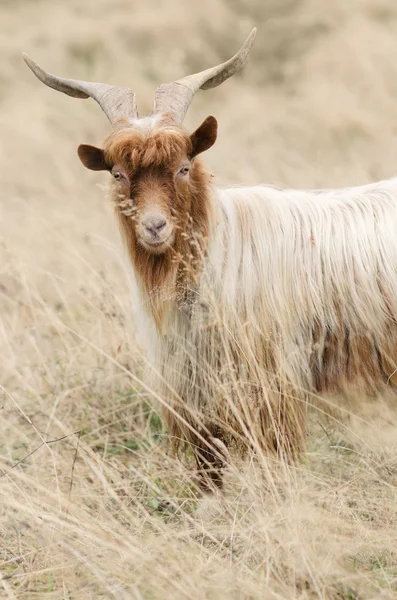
pixel 247 299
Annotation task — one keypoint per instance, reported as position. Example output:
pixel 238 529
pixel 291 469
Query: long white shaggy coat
pixel 297 294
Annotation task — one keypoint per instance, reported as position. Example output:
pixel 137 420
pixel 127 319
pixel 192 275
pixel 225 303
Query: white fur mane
pixel 289 259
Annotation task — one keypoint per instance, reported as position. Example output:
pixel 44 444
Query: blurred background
pixel 316 106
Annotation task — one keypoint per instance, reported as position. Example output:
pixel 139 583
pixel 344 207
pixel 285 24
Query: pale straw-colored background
pixel 106 513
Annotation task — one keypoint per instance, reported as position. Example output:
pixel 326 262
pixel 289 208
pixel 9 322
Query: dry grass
pixel 92 504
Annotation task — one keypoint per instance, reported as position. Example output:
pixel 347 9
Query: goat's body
pixel 247 299
pixel 297 293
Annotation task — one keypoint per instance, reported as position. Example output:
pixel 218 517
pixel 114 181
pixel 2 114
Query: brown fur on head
pixel 159 188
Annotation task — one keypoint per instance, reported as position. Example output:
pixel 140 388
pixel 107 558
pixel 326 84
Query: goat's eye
pixel 184 170
pixel 117 175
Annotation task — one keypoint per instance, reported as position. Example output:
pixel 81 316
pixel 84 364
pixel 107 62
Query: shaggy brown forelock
pixel 162 150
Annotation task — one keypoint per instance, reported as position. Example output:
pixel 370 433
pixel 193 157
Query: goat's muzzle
pixel 155 232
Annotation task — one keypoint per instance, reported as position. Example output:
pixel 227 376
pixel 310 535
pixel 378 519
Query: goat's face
pixel 153 174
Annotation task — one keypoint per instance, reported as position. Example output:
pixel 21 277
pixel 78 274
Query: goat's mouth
pixel 159 245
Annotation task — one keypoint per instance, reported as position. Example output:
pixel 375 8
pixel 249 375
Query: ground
pixel 93 505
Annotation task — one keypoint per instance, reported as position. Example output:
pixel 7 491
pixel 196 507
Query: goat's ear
pixel 205 136
pixel 93 158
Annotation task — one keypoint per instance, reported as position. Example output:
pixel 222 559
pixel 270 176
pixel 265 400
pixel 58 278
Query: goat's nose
pixel 154 224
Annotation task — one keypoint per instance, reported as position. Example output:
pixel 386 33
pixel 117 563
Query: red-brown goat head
pixel 154 176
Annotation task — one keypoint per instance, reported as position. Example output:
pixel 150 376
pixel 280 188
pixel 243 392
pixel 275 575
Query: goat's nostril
pixel 159 224
pixel 155 225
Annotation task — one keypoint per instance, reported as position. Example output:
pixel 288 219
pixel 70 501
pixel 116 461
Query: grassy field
pixel 92 504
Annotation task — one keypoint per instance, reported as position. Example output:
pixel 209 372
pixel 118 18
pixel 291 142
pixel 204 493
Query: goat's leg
pixel 210 454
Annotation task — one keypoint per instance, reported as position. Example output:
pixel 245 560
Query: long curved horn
pixel 176 97
pixel 116 102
